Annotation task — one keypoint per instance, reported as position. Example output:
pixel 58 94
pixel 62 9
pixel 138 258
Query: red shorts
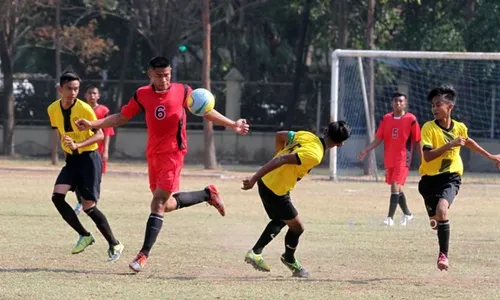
pixel 164 171
pixel 397 175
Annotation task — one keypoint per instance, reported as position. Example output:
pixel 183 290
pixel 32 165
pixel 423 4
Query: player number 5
pixel 160 112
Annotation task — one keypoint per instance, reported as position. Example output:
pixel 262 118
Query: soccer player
pixel 164 106
pixel 399 131
pixel 83 165
pixel 442 167
pixel 101 111
pixel 297 153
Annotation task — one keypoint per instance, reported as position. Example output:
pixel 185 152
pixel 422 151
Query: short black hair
pixel 338 131
pixel 398 94
pixel 91 87
pixel 159 62
pixel 446 91
pixel 68 76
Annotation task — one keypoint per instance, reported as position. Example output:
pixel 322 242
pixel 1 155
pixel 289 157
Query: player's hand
pixel 70 143
pixel 241 127
pixel 459 141
pixel 248 184
pixel 83 124
pixel 362 155
pixel 496 160
pixel 105 156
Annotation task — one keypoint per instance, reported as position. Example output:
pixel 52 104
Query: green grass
pixel 199 255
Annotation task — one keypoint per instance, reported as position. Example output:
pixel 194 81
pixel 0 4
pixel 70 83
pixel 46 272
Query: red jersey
pixel 102 112
pixel 165 116
pixel 399 135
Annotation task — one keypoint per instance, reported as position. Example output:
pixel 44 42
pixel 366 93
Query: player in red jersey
pixel 92 97
pixel 399 131
pixel 164 106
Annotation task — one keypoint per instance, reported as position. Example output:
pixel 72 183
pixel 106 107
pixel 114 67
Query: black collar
pixel 449 129
pixel 69 108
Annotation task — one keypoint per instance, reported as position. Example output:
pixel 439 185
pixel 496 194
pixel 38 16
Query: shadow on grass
pixel 269 279
pixel 40 270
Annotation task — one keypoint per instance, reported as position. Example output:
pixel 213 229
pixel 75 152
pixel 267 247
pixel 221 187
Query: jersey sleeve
pixel 415 131
pixel 465 131
pixel 380 130
pixel 132 108
pixel 307 158
pixel 187 91
pixel 50 112
pixel 426 137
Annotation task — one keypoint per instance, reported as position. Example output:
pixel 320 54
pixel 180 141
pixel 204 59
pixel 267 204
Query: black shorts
pixel 277 207
pixel 442 186
pixel 83 172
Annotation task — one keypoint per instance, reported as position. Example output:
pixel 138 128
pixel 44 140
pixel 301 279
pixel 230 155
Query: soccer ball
pixel 200 101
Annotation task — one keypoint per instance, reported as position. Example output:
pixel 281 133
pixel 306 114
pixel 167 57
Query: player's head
pixel 160 72
pixel 69 85
pixel 336 133
pixel 442 101
pixel 399 102
pixel 92 95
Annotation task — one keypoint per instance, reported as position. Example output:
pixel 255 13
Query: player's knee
pixel 297 228
pixel 158 204
pixel 58 198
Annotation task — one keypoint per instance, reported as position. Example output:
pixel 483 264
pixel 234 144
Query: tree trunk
pixel 299 64
pixel 9 103
pixel 57 46
pixel 343 13
pixel 370 41
pixel 208 129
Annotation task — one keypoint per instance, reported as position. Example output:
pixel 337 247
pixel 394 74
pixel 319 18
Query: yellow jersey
pixel 309 150
pixel 434 137
pixel 64 121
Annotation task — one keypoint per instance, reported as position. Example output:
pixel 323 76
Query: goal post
pixel 475 75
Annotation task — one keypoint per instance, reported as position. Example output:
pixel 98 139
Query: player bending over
pixel 82 171
pixel 297 153
pixel 164 106
pixel 442 167
pixel 399 131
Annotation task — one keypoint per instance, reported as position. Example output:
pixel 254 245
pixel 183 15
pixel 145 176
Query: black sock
pixel 68 214
pixel 185 199
pixel 270 232
pixel 403 205
pixel 153 228
pixel 291 242
pixel 78 196
pixel 393 204
pixel 443 232
pixel 102 224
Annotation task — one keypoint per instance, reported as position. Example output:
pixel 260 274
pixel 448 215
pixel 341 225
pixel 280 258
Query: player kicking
pixel 442 167
pixel 297 153
pixel 101 111
pixel 399 131
pixel 83 165
pixel 164 106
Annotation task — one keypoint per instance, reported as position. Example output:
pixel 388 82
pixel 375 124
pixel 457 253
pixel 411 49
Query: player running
pixel 164 106
pixel 297 153
pixel 399 131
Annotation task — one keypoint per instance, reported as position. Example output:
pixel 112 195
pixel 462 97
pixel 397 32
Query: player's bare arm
pixel 280 140
pixel 290 159
pixel 376 142
pixel 98 136
pixel 113 120
pixel 240 126
pixel 432 154
pixel 474 146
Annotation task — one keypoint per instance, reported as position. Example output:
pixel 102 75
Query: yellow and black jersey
pixel 434 137
pixel 64 121
pixel 309 150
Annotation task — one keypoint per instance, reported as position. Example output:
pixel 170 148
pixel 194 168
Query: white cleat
pixel 388 221
pixel 405 220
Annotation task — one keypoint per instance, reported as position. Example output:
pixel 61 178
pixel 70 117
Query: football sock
pixel 403 205
pixel 185 199
pixel 393 204
pixel 68 214
pixel 102 224
pixel 291 242
pixel 78 196
pixel 270 232
pixel 153 227
pixel 443 232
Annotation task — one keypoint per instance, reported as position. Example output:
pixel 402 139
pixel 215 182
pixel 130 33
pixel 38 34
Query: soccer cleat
pixel 296 268
pixel 78 209
pixel 115 252
pixel 405 220
pixel 215 200
pixel 442 262
pixel 388 221
pixel 257 261
pixel 83 243
pixel 138 263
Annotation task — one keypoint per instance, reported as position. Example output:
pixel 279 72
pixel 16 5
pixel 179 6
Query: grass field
pixel 199 255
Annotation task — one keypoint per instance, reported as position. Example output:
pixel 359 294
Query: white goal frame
pixel 359 54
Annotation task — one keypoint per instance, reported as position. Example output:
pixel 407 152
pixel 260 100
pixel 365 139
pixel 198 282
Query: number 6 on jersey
pixel 200 102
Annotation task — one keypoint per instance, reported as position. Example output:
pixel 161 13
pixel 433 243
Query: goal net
pixel 363 83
